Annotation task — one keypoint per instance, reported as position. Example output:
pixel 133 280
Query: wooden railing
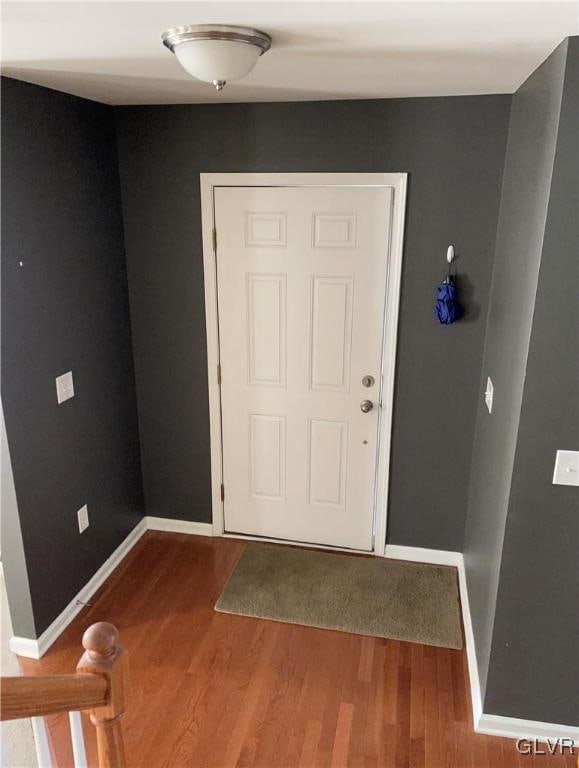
pixel 97 687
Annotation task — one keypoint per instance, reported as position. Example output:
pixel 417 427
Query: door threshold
pixel 309 545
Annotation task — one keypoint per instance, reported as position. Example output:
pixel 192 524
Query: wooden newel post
pixel 105 656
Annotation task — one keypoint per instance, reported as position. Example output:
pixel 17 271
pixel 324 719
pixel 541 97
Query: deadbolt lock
pixel 368 381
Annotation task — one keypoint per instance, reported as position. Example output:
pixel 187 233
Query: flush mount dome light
pixel 216 53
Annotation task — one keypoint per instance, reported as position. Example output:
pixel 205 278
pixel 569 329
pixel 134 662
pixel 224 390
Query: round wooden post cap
pixel 100 639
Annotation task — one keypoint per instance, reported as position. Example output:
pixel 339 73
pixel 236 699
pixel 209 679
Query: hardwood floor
pixel 211 689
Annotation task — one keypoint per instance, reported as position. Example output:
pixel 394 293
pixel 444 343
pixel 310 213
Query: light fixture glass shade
pixel 211 60
pixel 216 53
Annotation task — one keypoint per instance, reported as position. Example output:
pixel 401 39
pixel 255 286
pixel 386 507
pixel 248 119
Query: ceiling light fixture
pixel 216 53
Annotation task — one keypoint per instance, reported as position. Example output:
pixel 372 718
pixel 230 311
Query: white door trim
pixel 396 181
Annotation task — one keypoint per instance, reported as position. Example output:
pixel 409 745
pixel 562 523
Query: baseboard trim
pixel 35 649
pixel 473 676
pixel 423 555
pixel 515 728
pixel 178 526
pixel 492 725
pixel 24 646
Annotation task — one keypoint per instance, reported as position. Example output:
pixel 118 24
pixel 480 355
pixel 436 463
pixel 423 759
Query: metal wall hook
pixel 450 258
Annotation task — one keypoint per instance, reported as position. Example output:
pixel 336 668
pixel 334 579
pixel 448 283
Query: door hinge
pixel 214 235
pixel 222 492
pixel 219 373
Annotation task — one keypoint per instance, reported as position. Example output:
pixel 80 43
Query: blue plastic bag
pixel 447 308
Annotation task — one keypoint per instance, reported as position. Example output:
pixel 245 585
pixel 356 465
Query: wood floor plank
pixel 342 737
pixel 431 716
pixel 403 718
pixel 310 744
pixel 212 690
pixel 417 694
pixel 376 709
pixel 391 663
pixel 366 659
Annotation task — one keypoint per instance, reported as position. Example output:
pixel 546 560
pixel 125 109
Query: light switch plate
pixel 82 515
pixel 64 387
pixel 489 392
pixel 566 468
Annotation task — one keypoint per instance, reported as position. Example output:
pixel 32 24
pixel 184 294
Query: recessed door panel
pixel 265 230
pixel 331 332
pixel 334 230
pixel 328 448
pixel 267 455
pixel 266 332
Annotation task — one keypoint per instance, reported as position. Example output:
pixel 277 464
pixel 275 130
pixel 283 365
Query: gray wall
pixel 453 149
pixel 13 559
pixel 528 171
pixel 65 308
pixel 536 630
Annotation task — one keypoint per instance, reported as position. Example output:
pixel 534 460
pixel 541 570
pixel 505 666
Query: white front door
pixel 301 283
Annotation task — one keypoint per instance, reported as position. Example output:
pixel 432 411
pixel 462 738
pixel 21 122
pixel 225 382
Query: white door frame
pixel 397 182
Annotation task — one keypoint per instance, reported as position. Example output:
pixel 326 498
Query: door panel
pixel 301 276
pixel 267 456
pixel 331 333
pixel 328 453
pixel 266 331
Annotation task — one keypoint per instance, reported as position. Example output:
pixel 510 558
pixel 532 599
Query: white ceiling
pixel 111 51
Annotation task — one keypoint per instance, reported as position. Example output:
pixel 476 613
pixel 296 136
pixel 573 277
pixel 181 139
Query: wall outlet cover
pixel 489 392
pixel 82 515
pixel 64 387
pixel 566 468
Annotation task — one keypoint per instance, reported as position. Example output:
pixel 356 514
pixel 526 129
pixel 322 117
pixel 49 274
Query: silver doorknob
pixel 366 406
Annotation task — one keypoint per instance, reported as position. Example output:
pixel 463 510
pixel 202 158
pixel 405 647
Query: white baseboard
pixel 423 555
pixel 24 646
pixel 178 526
pixel 515 728
pixel 494 725
pixel 35 649
pixel 473 676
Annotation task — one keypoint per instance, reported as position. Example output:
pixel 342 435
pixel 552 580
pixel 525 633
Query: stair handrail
pixel 98 687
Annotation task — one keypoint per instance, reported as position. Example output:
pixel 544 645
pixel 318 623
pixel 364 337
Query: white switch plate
pixel 64 387
pixel 82 515
pixel 566 468
pixel 489 395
